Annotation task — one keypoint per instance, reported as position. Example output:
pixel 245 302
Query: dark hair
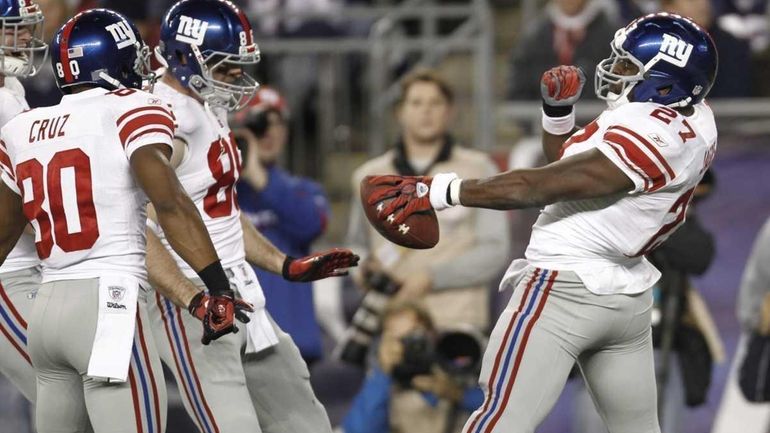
pixel 425 75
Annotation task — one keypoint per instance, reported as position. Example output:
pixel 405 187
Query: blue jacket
pixel 291 212
pixel 370 412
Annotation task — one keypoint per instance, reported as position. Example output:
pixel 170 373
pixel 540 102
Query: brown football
pixel 419 231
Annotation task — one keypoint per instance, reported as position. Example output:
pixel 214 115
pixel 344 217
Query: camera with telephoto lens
pixel 456 352
pixel 366 320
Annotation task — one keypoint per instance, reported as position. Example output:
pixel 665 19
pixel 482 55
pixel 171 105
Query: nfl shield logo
pixel 117 293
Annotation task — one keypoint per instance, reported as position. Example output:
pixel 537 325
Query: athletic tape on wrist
pixel 454 192
pixel 439 187
pixel 559 125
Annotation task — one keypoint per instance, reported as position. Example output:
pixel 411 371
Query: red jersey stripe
pixel 639 158
pixel 649 147
pixel 151 131
pixel 5 160
pixel 150 108
pixel 64 55
pixel 619 151
pixel 144 120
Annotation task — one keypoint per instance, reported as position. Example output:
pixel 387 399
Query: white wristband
pixel 438 190
pixel 559 125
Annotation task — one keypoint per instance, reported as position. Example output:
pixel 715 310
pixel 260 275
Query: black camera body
pixel 457 352
pixel 367 318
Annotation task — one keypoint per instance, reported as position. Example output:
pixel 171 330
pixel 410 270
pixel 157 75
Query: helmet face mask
pixel 142 66
pixel 224 81
pixel 22 48
pixel 613 86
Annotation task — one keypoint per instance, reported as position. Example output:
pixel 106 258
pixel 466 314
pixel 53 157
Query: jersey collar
pixel 85 94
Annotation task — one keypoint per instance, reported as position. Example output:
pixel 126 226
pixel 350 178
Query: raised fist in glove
pixel 218 313
pixel 561 86
pixel 330 263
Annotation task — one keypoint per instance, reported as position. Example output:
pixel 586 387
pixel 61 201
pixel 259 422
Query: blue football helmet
pixel 100 47
pixel 208 45
pixel 22 50
pixel 675 62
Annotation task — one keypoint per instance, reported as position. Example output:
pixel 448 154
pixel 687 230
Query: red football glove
pixel 411 194
pixel 330 263
pixel 218 314
pixel 561 86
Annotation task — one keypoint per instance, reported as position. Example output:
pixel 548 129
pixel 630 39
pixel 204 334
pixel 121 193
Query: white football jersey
pixel 208 172
pixel 604 240
pixel 70 163
pixel 12 102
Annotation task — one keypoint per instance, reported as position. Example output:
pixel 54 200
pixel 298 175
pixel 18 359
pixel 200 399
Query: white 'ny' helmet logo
pixel 191 30
pixel 675 50
pixel 122 34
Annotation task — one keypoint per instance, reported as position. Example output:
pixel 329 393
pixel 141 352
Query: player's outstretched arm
pixel 187 235
pixel 560 88
pixel 262 253
pixel 12 221
pixel 589 174
pixel 586 175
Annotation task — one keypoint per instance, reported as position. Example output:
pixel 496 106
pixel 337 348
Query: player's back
pixel 71 163
pixel 665 154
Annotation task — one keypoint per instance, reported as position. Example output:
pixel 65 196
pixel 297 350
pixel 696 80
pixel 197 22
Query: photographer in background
pixel 452 278
pixel 290 211
pixel 410 389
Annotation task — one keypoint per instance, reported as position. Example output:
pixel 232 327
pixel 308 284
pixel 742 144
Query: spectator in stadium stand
pixel 290 211
pixel 734 75
pixel 569 32
pixel 452 278
pixel 424 404
pixel 736 413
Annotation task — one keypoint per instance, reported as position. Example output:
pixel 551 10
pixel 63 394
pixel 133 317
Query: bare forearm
pixel 552 144
pixel 586 175
pixel 165 275
pixel 186 233
pixel 260 251
pixel 514 189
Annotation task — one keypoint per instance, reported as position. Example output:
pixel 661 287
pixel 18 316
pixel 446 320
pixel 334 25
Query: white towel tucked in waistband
pixel 259 331
pixel 114 339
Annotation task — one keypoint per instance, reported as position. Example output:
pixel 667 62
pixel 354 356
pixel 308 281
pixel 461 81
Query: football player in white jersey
pixel 613 191
pixel 81 172
pixel 207 46
pixel 22 52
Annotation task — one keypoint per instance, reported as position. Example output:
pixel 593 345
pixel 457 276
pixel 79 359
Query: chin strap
pixel 103 75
